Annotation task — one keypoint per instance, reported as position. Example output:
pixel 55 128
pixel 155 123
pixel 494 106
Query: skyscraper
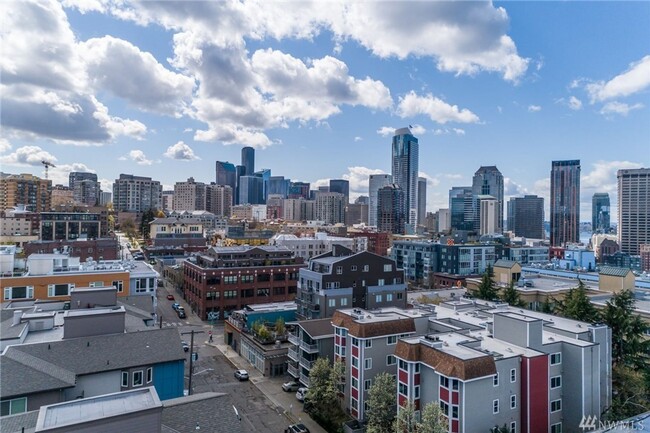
pixel 375 182
pixel 251 190
pixel 488 214
pixel 565 202
pixel 600 222
pixel 330 207
pixel 341 186
pixel 405 163
pixel 391 217
pixel 85 187
pixel 248 160
pixel 278 185
pixel 422 200
pixel 461 208
pixel 226 174
pixel 298 190
pixel 136 193
pixel 265 174
pixel 488 180
pixel 633 209
pixel 189 195
pixel 26 189
pixel 526 216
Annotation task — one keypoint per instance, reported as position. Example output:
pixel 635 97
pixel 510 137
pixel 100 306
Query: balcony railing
pixel 293 354
pixel 293 339
pixel 309 348
pixel 306 363
pixel 293 370
pixel 305 379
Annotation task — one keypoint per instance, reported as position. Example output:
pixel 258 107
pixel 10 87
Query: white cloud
pixel 418 129
pixel 28 156
pixel 359 178
pixel 437 110
pixel 635 79
pixel 137 156
pixel 534 108
pixel 454 176
pixel 431 181
pixel 386 131
pixel 458 131
pixel 603 175
pixel 107 184
pixel 60 175
pixel 180 151
pixel 5 146
pixel 357 138
pixel 574 103
pixel 619 108
pixel 511 188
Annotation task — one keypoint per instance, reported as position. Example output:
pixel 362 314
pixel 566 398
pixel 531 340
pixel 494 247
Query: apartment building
pixel 57 226
pixel 310 340
pixel 136 193
pixel 342 279
pixel 25 189
pixel 225 279
pixel 177 232
pixel 308 247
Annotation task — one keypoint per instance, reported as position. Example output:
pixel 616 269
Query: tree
pixel 405 421
pixel 547 306
pixel 148 216
pixel 502 429
pixel 630 395
pixel 322 400
pixel 576 305
pixel 280 329
pixel 381 404
pixel 128 227
pixel 511 296
pixel 487 289
pixel 433 420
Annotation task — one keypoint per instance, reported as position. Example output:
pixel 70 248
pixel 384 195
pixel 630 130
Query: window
pixel 513 402
pixel 21 292
pixel 388 268
pixel 125 379
pixel 403 389
pixel 381 282
pixel 366 268
pixel 331 302
pixel 403 365
pixel 344 302
pixel 495 406
pixel 368 363
pixel 454 383
pixel 367 343
pixel 513 427
pixel 353 267
pixel 556 428
pixel 391 340
pixel 556 382
pixel 391 360
pixel 230 294
pixel 377 298
pixel 10 407
pixel 513 375
pixel 355 383
pixel 400 296
pixel 445 408
pixel 230 279
pixel 137 378
pixel 556 358
pixel 367 384
pixel 496 380
pixel 59 289
pixel 119 285
pixel 389 297
pixel 454 411
pixel 444 381
pixel 149 374
pixel 556 405
pixel 263 292
pixel 96 284
pixel 339 270
pixel 247 278
pixel 355 362
pixel 246 293
pixel 416 391
pixel 355 341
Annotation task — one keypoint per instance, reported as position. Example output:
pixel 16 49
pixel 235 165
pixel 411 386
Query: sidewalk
pixel 271 387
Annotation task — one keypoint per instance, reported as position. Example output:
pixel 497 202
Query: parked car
pixel 290 386
pixel 181 313
pixel 302 392
pixel 186 347
pixel 176 306
pixel 241 374
pixel 297 428
pixel 170 298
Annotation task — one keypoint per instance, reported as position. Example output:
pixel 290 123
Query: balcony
pixel 293 370
pixel 293 354
pixel 293 339
pixel 305 363
pixel 309 348
pixel 304 379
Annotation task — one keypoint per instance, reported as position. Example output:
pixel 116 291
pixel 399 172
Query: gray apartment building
pixel 342 279
pixel 310 340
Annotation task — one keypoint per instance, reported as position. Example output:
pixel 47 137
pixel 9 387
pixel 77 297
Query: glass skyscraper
pixel 565 202
pixel 488 180
pixel 600 220
pixel 405 165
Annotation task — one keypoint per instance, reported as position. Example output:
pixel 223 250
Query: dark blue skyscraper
pixel 600 213
pixel 405 164
pixel 341 186
pixel 248 160
pixel 226 174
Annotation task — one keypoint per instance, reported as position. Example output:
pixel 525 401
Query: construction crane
pixel 47 165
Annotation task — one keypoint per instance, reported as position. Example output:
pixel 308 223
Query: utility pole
pixel 192 332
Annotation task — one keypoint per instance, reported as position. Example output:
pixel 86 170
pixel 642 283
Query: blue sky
pixel 164 89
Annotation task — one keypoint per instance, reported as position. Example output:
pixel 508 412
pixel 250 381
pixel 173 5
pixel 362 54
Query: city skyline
pixel 319 97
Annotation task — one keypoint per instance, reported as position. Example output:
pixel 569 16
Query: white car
pixel 241 374
pixel 290 386
pixel 301 393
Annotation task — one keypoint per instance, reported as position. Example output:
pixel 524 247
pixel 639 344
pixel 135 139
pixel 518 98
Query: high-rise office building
pixel 226 174
pixel 298 190
pixel 85 187
pixel 105 197
pixel 168 200
pixel 375 182
pixel 633 209
pixel 488 180
pixel 265 174
pixel 461 208
pixel 25 189
pixel 218 199
pixel 330 207
pixel 251 190
pixel 600 221
pixel 422 200
pixel 189 195
pixel 278 185
pixel 248 160
pixel 391 216
pixel 136 193
pixel 565 202
pixel 526 216
pixel 488 214
pixel 341 186
pixel 405 165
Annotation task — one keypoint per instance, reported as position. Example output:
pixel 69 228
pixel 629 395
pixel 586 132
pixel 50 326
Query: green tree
pixel 405 421
pixel 381 404
pixel 280 328
pixel 322 400
pixel 147 216
pixel 547 306
pixel 630 395
pixel 502 429
pixel 128 227
pixel 511 296
pixel 433 420
pixel 576 305
pixel 487 290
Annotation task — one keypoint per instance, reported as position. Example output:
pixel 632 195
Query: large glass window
pixel 59 289
pixel 10 407
pixel 19 292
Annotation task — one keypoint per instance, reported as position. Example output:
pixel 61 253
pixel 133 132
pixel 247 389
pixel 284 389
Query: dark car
pixel 181 313
pixel 297 428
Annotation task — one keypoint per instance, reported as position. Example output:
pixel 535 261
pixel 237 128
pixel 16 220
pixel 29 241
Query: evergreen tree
pixel 433 420
pixel 630 395
pixel 405 421
pixel 147 216
pixel 511 296
pixel 381 404
pixel 576 305
pixel 547 306
pixel 322 400
pixel 487 290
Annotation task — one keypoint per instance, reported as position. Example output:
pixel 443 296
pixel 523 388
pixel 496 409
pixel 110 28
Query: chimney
pixel 17 316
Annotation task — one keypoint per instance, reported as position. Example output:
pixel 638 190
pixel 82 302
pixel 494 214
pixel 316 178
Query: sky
pixel 165 89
